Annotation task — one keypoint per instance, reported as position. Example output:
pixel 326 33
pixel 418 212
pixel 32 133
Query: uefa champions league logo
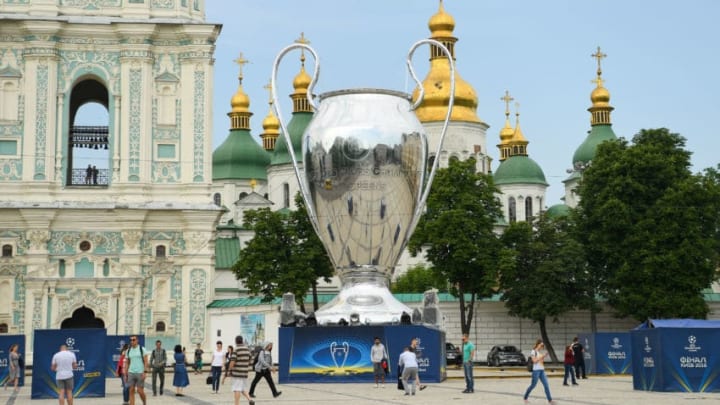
pixel 70 343
pixel 339 353
pixel 648 349
pixel 692 347
pixel 616 343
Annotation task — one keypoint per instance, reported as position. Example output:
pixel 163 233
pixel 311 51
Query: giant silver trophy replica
pixel 365 184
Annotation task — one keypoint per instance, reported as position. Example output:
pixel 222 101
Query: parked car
pixel 453 354
pixel 505 356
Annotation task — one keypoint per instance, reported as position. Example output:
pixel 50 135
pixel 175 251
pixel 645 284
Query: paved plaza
pixel 492 386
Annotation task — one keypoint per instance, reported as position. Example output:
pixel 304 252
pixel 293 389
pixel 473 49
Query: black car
pixel 505 356
pixel 453 354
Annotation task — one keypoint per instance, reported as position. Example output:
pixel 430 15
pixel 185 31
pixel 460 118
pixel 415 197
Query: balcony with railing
pixel 96 178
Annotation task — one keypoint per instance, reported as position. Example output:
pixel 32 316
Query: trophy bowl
pixel 364 179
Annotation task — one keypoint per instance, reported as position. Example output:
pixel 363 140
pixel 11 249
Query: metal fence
pixel 97 178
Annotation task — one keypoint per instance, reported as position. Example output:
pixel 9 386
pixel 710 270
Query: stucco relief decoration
pixel 38 239
pixel 10 169
pixel 195 241
pixel 21 242
pixel 199 127
pixel 41 112
pixel 175 242
pixel 89 298
pixel 166 172
pixel 129 311
pixel 134 125
pixel 66 242
pixel 91 4
pixel 163 3
pixel 77 63
pixel 37 310
pixel 198 296
pixel 131 239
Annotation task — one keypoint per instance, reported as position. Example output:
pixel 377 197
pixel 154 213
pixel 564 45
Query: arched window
pixel 160 327
pixel 160 251
pixel 528 208
pixel 3 328
pixel 7 251
pixel 512 216
pixel 217 199
pixel 242 195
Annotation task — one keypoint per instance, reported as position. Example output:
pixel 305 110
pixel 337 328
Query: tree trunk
pixel 316 304
pixel 301 303
pixel 546 340
pixel 463 326
pixel 593 320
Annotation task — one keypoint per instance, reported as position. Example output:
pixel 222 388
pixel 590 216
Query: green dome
pixel 558 211
pixel 240 157
pixel 296 128
pixel 519 169
pixel 586 151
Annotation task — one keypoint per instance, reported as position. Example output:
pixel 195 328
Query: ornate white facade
pixel 133 243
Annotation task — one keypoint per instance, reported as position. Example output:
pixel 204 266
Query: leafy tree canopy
pixel 418 279
pixel 650 226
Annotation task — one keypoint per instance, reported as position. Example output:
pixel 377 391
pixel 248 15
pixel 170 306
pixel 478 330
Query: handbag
pixel 384 365
pixel 208 380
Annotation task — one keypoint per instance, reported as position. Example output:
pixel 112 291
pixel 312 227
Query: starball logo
pixel 616 343
pixel 70 343
pixel 647 349
pixel 692 346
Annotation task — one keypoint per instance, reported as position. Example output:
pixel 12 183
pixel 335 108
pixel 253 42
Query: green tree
pixel 540 271
pixel 649 226
pixel 457 232
pixel 310 258
pixel 285 255
pixel 418 279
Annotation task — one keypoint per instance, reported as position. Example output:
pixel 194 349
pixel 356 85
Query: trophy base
pixel 364 303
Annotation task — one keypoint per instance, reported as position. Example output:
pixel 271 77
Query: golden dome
pixel 302 81
pixel 437 82
pixel 600 96
pixel 240 102
pixel 441 24
pixel 271 124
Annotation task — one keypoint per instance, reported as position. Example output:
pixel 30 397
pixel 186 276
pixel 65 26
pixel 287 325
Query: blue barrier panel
pixel 341 354
pixel 676 359
pixel 114 344
pixel 5 342
pixel 89 348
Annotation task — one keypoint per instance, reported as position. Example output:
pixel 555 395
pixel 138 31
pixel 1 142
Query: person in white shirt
pixel 63 364
pixel 538 371
pixel 377 355
pixel 218 359
pixel 408 361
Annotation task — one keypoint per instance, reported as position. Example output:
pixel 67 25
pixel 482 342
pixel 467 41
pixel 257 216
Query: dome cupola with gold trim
pixel 240 157
pixel 518 167
pixel 271 125
pixel 507 132
pixel 437 82
pixel 601 125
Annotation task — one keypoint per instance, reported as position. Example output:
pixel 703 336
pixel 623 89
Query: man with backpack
pixel 263 366
pixel 158 361
pixel 137 365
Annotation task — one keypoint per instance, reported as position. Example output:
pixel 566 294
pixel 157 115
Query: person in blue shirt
pixel 468 356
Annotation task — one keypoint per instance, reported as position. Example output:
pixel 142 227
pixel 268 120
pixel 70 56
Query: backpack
pixel 21 362
pixel 256 356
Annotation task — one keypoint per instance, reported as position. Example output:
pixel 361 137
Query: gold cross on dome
pixel 599 56
pixel 241 62
pixel 507 99
pixel 268 87
pixel 304 41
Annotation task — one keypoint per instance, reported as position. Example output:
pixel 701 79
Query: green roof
pixel 519 170
pixel 240 157
pixel 557 211
pixel 325 298
pixel 227 252
pixel 598 134
pixel 296 128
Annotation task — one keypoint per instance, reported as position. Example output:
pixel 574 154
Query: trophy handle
pixel 286 135
pixel 426 191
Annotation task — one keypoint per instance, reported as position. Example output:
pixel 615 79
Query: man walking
pixel 377 355
pixel 63 364
pixel 137 365
pixel 239 367
pixel 579 354
pixel 468 356
pixel 408 361
pixel 158 361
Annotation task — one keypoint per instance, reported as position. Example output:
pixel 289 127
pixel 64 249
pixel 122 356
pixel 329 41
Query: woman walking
pixel 218 358
pixel 180 380
pixel 538 371
pixel 120 370
pixel 569 362
pixel 14 369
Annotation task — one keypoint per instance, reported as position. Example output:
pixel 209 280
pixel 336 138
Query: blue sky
pixel 662 69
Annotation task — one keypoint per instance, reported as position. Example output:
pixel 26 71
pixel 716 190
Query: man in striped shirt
pixel 239 367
